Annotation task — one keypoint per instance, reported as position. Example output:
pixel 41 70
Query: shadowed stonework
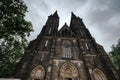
pixel 68 54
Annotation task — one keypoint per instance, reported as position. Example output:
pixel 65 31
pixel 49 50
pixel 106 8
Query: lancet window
pixel 67 49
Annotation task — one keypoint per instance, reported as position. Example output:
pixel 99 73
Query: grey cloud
pixel 102 10
pixel 38 10
pixel 115 6
pixel 66 4
pixel 36 4
pixel 64 8
pixel 102 17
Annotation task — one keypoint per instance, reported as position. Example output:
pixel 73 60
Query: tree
pixel 115 55
pixel 13 32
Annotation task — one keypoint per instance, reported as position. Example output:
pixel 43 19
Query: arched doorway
pixel 37 73
pixel 68 72
pixel 99 75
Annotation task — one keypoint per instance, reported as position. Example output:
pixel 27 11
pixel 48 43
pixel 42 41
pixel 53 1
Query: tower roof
pixel 73 15
pixel 55 14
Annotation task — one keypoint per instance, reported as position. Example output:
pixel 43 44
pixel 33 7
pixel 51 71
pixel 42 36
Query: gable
pixel 65 31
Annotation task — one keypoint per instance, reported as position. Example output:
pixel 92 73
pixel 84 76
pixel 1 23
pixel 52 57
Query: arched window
pixel 99 75
pixel 37 73
pixel 67 49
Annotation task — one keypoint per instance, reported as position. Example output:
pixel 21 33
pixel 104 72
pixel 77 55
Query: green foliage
pixel 13 31
pixel 115 55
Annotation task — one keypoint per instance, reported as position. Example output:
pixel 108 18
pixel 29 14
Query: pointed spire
pixel 65 24
pixel 55 14
pixel 73 15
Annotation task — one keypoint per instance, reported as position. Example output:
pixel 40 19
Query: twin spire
pixel 72 14
pixel 75 20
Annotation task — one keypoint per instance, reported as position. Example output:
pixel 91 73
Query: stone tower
pixel 68 54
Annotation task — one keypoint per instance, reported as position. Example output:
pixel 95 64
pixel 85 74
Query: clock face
pixel 38 72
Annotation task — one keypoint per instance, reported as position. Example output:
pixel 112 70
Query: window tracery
pixel 67 49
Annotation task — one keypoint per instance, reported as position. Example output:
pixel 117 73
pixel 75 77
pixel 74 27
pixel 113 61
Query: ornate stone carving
pixel 68 70
pixel 37 73
pixel 99 75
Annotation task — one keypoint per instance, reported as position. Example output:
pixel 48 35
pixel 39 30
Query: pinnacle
pixel 55 14
pixel 65 24
pixel 73 15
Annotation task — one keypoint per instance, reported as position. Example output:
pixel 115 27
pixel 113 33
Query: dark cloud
pixel 38 10
pixel 102 17
pixel 102 10
pixel 70 5
pixel 64 8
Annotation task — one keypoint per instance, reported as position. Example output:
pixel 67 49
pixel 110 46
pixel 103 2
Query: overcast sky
pixel 101 17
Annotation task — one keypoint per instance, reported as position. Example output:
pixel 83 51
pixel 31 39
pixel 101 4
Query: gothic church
pixel 70 53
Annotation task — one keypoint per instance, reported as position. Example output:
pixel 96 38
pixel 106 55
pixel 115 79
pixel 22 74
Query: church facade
pixel 70 53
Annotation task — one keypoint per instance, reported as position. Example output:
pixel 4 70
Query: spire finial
pixel 65 24
pixel 73 15
pixel 55 14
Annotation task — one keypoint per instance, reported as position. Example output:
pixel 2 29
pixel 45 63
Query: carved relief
pixel 37 73
pixel 68 71
pixel 99 75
